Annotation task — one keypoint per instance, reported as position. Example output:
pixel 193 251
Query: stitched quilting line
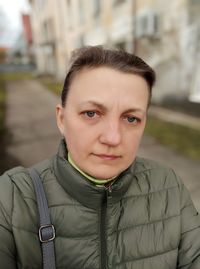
pixel 151 169
pixel 57 236
pixel 146 257
pixel 191 230
pixel 188 205
pixel 83 238
pixel 143 224
pixel 6 254
pixel 149 193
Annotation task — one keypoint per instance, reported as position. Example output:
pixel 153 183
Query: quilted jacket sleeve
pixel 189 248
pixel 7 245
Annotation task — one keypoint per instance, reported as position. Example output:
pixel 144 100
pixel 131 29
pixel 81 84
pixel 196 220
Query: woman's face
pixel 103 120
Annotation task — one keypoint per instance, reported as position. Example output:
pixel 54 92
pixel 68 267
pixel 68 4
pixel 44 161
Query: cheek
pixel 133 141
pixel 76 140
pixel 74 146
pixel 70 134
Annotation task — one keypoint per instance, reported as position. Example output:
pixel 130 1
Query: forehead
pixel 107 84
pixel 106 75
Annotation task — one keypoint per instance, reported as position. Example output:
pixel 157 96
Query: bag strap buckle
pixel 46 233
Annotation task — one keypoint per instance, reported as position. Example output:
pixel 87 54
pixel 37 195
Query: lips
pixel 107 157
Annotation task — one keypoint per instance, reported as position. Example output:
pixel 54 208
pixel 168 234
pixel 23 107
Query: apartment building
pixel 162 33
pixel 61 26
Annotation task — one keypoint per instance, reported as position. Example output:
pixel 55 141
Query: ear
pixel 60 118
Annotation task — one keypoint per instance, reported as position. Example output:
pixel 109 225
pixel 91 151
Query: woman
pixel 110 209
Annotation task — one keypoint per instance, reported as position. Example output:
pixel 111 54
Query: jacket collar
pixel 81 189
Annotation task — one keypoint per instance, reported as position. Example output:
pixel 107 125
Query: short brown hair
pixel 97 56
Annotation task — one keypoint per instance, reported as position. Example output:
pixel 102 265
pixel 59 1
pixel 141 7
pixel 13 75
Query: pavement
pixel 30 120
pixel 175 117
pixel 33 134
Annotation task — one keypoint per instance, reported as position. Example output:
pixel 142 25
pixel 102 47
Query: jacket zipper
pixel 103 245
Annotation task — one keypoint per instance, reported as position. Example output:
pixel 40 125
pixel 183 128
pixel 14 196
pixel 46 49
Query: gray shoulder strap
pixel 46 230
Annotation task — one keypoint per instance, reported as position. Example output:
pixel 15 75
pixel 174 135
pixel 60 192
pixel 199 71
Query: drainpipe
pixel 134 12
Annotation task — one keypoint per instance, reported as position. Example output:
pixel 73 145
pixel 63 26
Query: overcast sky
pixel 10 19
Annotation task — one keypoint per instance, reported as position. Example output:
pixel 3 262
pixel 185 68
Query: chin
pixel 104 175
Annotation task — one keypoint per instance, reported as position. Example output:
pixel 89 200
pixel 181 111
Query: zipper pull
pixel 109 189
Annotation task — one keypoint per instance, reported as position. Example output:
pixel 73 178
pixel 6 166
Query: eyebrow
pixel 104 108
pixel 94 103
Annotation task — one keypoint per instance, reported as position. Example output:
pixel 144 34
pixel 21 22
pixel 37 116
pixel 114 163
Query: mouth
pixel 107 157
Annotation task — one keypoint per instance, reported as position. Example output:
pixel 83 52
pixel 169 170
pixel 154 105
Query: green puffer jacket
pixel 145 220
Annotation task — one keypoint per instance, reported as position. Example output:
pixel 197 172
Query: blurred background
pixel 36 39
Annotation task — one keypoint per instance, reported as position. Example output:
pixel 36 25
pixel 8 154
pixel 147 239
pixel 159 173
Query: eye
pixel 132 119
pixel 90 114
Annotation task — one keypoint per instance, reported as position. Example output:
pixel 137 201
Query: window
pixel 81 12
pixel 117 2
pixel 148 25
pixel 69 13
pixel 96 7
pixel 121 45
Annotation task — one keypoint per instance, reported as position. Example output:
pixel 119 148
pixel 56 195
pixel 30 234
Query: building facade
pixel 165 34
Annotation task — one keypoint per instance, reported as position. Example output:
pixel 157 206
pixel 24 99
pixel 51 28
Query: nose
pixel 111 134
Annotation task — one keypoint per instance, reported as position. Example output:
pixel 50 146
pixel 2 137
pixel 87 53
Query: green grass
pixel 2 105
pixel 6 161
pixel 2 123
pixel 183 139
pixel 52 84
pixel 16 76
pixel 4 77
